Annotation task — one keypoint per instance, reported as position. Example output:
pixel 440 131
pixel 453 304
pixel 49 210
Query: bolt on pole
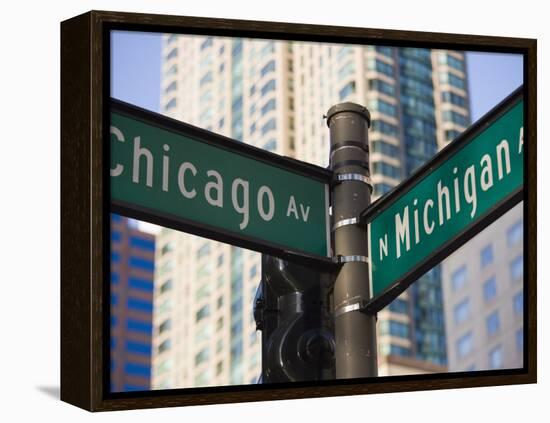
pixel 355 330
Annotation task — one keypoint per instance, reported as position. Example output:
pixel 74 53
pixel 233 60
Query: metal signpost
pixel 179 176
pixel 464 188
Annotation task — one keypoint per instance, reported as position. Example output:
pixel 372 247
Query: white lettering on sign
pixel 142 164
pixel 448 200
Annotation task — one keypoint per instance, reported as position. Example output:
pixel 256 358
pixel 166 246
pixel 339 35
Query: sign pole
pixel 355 330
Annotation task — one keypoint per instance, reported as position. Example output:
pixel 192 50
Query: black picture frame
pixel 85 205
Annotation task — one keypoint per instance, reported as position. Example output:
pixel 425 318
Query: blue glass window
pixel 135 347
pixel 271 145
pixel 268 86
pixel 206 43
pixel 486 256
pixel 139 326
pixel 206 78
pixel 462 311
pixel 142 263
pixel 519 339
pixel 165 346
pixel 383 147
pixel 173 53
pixel 141 284
pixel 495 358
pixel 493 323
pixel 171 104
pixel 457 100
pixel 458 278
pixel 114 298
pixel 399 306
pixel 382 86
pixel 140 305
pixel 115 278
pixel 490 289
pixel 269 67
pixel 270 125
pixel 385 128
pixel 134 388
pixel 518 303
pixel 115 236
pixel 515 233
pixel 115 256
pixel 142 243
pixel 464 345
pixel 136 369
pixel 386 169
pixel 348 89
pixel 202 313
pixel 202 356
pixel 516 268
pixel 270 105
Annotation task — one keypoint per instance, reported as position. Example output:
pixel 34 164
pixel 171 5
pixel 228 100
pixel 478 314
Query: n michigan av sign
pixel 470 183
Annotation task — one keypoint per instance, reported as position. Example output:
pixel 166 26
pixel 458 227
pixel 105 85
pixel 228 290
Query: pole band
pixel 357 306
pixel 357 177
pixel 351 259
pixel 345 222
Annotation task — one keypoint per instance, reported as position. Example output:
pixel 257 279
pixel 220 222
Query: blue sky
pixel 136 60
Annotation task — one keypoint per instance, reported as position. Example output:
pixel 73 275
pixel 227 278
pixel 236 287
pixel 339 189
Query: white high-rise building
pixel 273 94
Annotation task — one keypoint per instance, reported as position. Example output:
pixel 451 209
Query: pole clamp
pixel 344 177
pixel 353 258
pixel 345 222
pixel 356 306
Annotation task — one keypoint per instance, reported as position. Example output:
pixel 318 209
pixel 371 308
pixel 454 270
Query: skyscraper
pixel 273 94
pixel 132 269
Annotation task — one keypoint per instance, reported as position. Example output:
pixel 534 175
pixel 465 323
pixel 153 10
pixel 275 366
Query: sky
pixel 136 61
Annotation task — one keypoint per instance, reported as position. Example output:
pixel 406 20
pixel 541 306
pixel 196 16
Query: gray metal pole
pixel 355 331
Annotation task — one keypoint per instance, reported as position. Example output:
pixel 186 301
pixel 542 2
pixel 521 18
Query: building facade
pixel 273 94
pixel 132 284
pixel 483 294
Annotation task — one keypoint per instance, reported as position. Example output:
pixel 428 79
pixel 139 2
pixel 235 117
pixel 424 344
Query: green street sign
pixel 465 187
pixel 179 176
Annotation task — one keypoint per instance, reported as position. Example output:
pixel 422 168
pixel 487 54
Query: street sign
pixel 465 187
pixel 179 176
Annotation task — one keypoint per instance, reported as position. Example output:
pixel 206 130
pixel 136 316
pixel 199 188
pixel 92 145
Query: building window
pixel 135 347
pixel 454 117
pixel 202 356
pixel 519 340
pixel 140 305
pixel 458 278
pixel 271 145
pixel 451 134
pixel 269 67
pixel 462 311
pixel 486 256
pixel 464 345
pixel 203 250
pixel 348 89
pixel 270 105
pixel 383 107
pixel 453 98
pixel 139 326
pixel 140 284
pixel 142 263
pixel 268 86
pixel 490 289
pixel 516 268
pixel 269 126
pixel 202 313
pixel 449 78
pixel 219 368
pixel 382 86
pixel 518 303
pixel 515 233
pixel 495 358
pixel 393 328
pixel 165 346
pixel 166 286
pixel 171 104
pixel 493 323
pixel 387 170
pixel 169 246
pixel 219 302
pixel 173 53
pixel 399 306
pixel 206 43
pixel 390 150
pixel 253 271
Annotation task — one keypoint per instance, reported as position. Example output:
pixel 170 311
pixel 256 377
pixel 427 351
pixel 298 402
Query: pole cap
pixel 348 107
